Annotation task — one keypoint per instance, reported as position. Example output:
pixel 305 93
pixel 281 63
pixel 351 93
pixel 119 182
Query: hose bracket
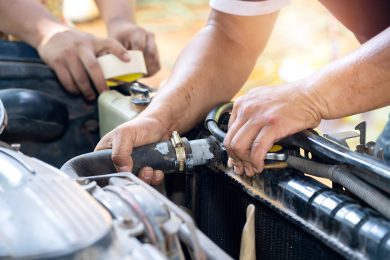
pixel 178 144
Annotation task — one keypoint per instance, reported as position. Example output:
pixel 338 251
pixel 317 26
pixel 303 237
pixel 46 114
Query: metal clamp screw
pixel 178 144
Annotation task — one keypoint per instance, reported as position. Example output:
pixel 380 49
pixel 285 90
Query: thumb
pixel 121 155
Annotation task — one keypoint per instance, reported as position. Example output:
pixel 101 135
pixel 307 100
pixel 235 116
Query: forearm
pixel 113 11
pixel 210 70
pixel 29 21
pixel 357 83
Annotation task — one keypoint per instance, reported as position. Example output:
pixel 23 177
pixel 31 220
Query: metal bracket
pixel 341 138
pixel 140 94
pixel 363 147
pixel 178 144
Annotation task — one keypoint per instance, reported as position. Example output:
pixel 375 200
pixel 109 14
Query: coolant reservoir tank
pixel 115 109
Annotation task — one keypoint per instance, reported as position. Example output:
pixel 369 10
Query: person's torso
pixel 365 18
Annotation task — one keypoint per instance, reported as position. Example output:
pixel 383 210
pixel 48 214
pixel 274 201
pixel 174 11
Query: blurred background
pixel 306 37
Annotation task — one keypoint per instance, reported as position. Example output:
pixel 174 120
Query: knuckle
pixel 67 52
pixel 57 60
pixel 227 143
pixel 238 102
pixel 78 43
pixel 237 147
pixel 248 107
pixel 83 81
pixel 92 65
pixel 271 119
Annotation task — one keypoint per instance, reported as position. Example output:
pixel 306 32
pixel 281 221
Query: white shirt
pixel 248 8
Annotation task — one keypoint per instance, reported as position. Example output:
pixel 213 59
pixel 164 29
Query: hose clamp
pixel 178 144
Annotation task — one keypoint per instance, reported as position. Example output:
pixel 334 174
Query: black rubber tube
pixel 211 121
pixel 159 156
pixel 346 178
pixel 372 170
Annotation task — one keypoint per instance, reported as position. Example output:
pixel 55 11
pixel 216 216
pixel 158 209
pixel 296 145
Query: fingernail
pixel 91 97
pixel 159 176
pixel 126 56
pixel 148 174
pixel 236 170
pixel 229 163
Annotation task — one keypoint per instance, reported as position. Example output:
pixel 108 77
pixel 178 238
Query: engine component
pixel 166 156
pixel 33 116
pixel 296 216
pixel 3 117
pixel 121 104
pixel 45 214
pixel 287 203
pixel 22 69
pixel 367 168
pixel 342 175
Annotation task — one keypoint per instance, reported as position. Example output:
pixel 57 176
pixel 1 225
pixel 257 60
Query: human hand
pixel 137 132
pixel 134 37
pixel 72 55
pixel 264 116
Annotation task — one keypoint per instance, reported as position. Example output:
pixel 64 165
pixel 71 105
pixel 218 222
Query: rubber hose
pixel 215 131
pixel 346 178
pixel 159 156
pixel 211 121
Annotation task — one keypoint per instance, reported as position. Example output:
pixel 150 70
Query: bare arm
pixel 28 20
pixel 210 70
pixel 357 83
pixel 113 10
pixel 70 53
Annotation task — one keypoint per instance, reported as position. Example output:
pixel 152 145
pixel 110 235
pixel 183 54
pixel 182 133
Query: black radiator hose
pixel 211 121
pixel 160 156
pixel 342 175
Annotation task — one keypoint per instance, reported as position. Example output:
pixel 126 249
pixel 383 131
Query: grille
pixel 220 208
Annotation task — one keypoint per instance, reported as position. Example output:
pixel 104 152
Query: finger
pixel 242 141
pixel 260 146
pixel 151 55
pixel 138 40
pixel 80 77
pixel 233 114
pixel 121 152
pixel 238 167
pixel 146 174
pixel 104 143
pixel 158 177
pixel 65 78
pixel 248 169
pixel 230 162
pixel 95 72
pixel 235 127
pixel 112 47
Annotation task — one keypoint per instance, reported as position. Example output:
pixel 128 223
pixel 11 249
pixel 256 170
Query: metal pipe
pixel 342 175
